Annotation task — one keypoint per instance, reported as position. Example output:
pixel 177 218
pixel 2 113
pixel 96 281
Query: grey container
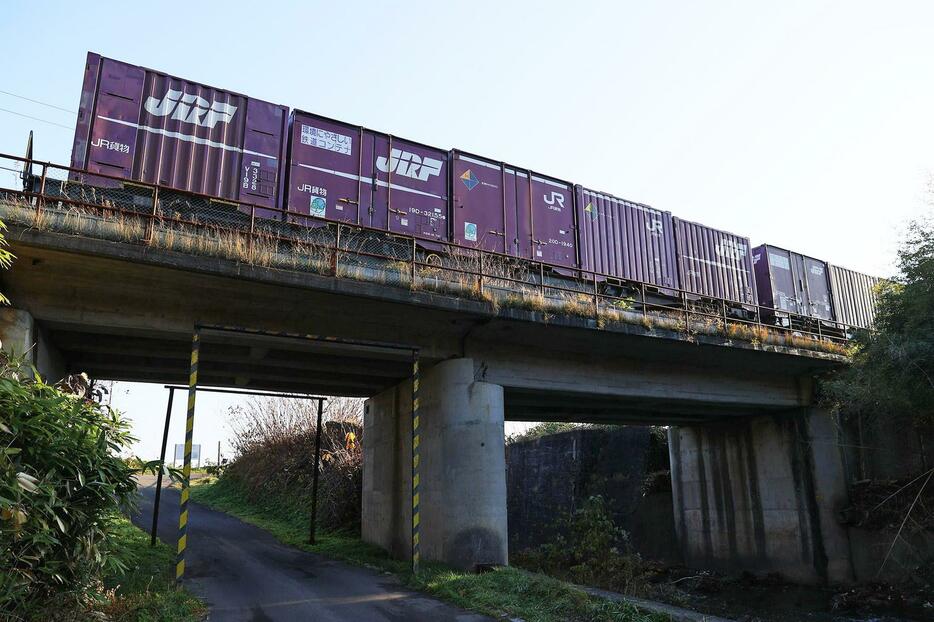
pixel 854 296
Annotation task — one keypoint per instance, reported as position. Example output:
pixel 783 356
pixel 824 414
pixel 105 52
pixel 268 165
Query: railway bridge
pixel 755 468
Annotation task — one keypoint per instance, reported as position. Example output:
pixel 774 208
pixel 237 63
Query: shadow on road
pixel 246 575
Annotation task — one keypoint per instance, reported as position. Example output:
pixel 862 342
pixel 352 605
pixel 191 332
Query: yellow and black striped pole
pixel 186 470
pixel 415 443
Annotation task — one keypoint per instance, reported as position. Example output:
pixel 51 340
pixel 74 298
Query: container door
pixel 411 187
pixel 522 193
pixel 480 204
pixel 554 239
pixel 760 267
pixel 818 286
pixel 801 287
pixel 513 214
pixel 114 128
pixel 783 280
pixel 324 179
pixel 262 146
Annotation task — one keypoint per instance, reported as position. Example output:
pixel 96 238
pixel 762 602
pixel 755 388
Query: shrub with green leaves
pixel 893 367
pixel 590 550
pixel 60 479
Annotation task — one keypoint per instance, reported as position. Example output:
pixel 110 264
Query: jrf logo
pixel 189 108
pixel 409 164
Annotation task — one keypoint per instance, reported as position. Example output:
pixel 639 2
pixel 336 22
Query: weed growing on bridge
pixel 348 252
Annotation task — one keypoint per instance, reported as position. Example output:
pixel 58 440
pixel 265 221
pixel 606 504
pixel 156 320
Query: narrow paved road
pixel 246 575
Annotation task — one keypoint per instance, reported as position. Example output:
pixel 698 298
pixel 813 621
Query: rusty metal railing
pixel 59 198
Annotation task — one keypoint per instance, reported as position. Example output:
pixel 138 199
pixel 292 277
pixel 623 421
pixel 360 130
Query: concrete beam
pixel 310 360
pixel 625 376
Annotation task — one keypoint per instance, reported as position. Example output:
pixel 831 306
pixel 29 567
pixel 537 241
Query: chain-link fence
pixel 54 198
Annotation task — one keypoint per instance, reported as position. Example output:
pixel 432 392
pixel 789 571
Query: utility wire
pixel 36 101
pixel 20 114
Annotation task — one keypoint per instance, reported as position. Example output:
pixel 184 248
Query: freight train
pixel 143 125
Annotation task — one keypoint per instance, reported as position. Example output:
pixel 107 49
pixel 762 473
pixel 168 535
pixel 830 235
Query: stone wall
pixel 884 447
pixel 553 475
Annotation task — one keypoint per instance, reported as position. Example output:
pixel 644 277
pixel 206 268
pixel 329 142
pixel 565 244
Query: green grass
pixel 145 590
pixel 505 591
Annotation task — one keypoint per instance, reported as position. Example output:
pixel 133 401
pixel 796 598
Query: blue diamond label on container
pixel 470 231
pixel 591 211
pixel 319 206
pixel 470 180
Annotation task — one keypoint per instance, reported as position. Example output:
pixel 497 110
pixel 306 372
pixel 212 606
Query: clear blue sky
pixel 805 124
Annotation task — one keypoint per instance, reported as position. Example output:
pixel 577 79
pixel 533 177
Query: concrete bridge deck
pixel 126 312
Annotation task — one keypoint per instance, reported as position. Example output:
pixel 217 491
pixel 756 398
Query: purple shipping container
pixel 346 173
pixel 501 208
pixel 714 263
pixel 854 296
pixel 792 282
pixel 143 125
pixel 626 240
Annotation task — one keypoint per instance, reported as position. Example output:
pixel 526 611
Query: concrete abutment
pixel 462 468
pixel 761 494
pixel 22 336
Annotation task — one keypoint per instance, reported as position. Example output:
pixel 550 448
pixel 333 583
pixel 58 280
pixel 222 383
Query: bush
pixel 60 480
pixel 275 451
pixel 545 428
pixel 594 552
pixel 893 365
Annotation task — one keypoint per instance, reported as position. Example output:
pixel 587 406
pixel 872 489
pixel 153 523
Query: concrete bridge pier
pixel 22 336
pixel 762 494
pixel 462 468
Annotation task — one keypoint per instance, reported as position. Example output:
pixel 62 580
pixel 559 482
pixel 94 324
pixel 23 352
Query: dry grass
pixel 505 282
pixel 273 439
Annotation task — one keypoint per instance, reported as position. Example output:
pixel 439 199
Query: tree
pixel 893 366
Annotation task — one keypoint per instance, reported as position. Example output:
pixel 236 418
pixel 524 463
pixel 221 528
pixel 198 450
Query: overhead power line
pixel 20 114
pixel 41 103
